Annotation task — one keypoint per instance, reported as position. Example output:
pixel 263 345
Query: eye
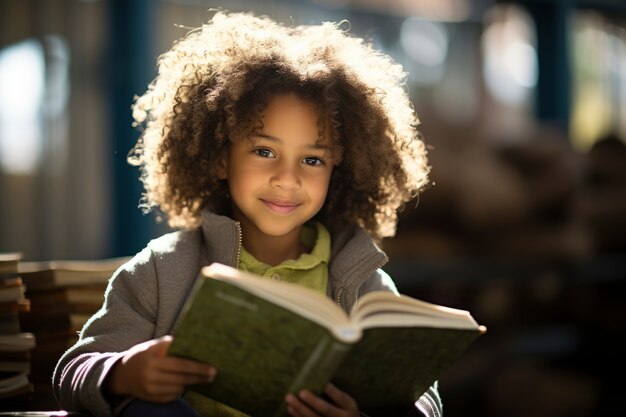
pixel 313 161
pixel 264 153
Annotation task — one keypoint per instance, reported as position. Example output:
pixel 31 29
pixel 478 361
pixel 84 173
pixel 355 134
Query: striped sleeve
pixel 429 404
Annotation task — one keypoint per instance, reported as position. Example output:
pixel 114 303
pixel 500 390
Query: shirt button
pixel 276 277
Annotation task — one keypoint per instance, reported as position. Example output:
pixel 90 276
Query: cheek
pixel 235 180
pixel 244 181
pixel 240 171
pixel 238 180
pixel 320 186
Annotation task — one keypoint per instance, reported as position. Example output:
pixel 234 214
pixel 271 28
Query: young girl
pixel 282 151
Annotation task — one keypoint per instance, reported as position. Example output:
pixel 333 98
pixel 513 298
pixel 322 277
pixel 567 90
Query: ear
pixel 222 166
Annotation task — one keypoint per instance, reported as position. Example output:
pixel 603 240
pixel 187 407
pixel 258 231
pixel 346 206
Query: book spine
pixel 319 367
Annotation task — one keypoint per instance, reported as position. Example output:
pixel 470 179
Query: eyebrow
pixel 278 140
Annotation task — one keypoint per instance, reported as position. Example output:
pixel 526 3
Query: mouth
pixel 281 207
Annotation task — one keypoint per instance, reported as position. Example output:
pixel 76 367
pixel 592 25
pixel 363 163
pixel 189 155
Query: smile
pixel 281 207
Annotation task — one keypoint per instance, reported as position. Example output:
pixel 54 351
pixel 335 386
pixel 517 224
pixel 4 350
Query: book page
pixel 301 300
pixel 382 308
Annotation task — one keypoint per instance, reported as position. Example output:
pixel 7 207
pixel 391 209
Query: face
pixel 278 178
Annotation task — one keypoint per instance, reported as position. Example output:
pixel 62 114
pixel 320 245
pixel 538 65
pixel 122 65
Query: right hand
pixel 147 373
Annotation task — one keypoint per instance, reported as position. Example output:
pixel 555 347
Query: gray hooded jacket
pixel 145 297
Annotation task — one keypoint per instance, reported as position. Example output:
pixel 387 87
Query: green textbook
pixel 268 338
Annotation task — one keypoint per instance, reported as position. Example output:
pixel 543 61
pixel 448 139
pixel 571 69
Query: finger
pixel 318 404
pixel 158 390
pixel 340 398
pixel 297 408
pixel 184 366
pixel 160 346
pixel 178 379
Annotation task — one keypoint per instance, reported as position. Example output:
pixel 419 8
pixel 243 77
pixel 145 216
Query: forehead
pixel 288 115
pixel 283 108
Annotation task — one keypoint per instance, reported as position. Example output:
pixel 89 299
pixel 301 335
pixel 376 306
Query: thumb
pixel 160 346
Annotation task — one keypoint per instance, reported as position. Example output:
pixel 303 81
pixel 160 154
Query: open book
pixel 267 338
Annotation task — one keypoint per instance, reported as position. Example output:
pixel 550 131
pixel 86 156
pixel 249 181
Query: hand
pixel 147 373
pixel 307 404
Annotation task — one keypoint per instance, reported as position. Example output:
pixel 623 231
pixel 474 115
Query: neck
pixel 272 250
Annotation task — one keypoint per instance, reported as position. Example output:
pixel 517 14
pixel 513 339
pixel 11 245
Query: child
pixel 282 151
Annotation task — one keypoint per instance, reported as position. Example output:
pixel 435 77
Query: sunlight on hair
pixel 213 85
pixel 22 70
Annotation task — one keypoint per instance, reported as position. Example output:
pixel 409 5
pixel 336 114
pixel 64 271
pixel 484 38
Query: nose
pixel 286 177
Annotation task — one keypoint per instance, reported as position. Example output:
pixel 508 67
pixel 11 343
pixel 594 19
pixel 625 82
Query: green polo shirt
pixel 309 270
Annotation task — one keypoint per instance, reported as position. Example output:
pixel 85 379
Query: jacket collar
pixel 222 238
pixel 354 255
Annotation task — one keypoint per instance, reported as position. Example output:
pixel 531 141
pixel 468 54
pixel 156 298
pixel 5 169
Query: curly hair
pixel 213 85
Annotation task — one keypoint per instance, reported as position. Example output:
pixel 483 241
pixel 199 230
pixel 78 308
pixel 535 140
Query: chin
pixel 277 231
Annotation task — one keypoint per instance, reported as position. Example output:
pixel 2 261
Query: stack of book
pixel 15 344
pixel 63 295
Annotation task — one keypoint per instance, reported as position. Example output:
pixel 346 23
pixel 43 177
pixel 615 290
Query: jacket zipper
pixel 339 294
pixel 239 237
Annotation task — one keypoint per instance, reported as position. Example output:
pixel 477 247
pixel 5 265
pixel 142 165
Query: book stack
pixel 15 344
pixel 63 295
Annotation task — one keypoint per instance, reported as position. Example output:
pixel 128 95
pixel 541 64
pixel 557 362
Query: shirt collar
pixel 316 235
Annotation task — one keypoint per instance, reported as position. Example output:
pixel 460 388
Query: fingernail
pixel 212 373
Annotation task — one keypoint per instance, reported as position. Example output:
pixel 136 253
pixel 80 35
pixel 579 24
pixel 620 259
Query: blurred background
pixel 523 108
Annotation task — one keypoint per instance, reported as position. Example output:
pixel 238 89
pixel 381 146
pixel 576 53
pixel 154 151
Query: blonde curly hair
pixel 213 85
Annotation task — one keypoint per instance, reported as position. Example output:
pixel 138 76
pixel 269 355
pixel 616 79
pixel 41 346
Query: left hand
pixel 307 404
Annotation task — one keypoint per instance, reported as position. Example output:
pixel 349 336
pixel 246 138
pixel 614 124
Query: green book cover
pixel 390 367
pixel 269 338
